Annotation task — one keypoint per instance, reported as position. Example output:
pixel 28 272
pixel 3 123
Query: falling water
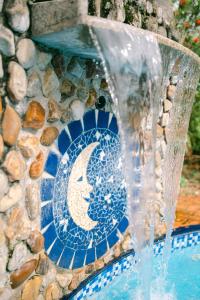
pixel 133 68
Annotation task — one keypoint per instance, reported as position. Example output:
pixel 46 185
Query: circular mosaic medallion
pixel 83 192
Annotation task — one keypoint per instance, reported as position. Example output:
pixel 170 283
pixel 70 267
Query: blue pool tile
pixel 79 259
pixel 101 249
pixel 52 164
pixel 103 118
pixel 46 189
pixel 75 129
pixel 89 120
pixel 113 125
pixel 63 141
pixel 46 215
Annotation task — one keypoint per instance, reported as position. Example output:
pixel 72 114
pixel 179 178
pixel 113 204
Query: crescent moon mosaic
pixel 83 195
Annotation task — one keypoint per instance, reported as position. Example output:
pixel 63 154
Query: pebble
pixel 74 282
pixel 14 165
pixel 117 251
pixel 32 200
pixel 29 146
pixel 34 84
pixel 52 292
pixel 32 288
pixel 48 136
pixel 13 196
pixel 36 167
pixel 19 256
pixel 4 187
pixel 167 105
pixel 7 43
pixel 64 279
pixel 43 59
pixel 149 7
pixel 35 116
pixel 77 109
pixel 159 131
pixel 17 83
pixel 26 53
pixel 174 79
pixel 91 99
pixel 99 264
pixel 1 147
pixel 18 15
pixel 171 89
pixel 19 276
pixel 67 88
pixel 59 64
pixel 75 68
pixel 50 82
pixel 82 93
pixel 126 244
pixel 1 67
pixel 10 129
pixel 165 119
pixel 89 269
pixel 35 241
pixel 43 264
pixel 54 111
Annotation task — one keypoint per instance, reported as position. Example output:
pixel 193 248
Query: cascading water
pixel 133 69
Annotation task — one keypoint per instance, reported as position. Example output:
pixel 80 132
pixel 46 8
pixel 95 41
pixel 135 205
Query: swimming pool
pixel 119 281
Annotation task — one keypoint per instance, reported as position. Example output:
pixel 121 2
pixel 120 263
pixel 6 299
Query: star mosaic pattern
pixel 83 192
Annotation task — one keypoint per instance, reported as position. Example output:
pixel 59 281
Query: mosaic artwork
pixel 83 208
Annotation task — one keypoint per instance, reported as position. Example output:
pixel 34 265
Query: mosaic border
pixel 182 237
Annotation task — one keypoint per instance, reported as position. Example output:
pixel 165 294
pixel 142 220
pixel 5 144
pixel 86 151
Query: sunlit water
pixel 182 282
pixel 137 79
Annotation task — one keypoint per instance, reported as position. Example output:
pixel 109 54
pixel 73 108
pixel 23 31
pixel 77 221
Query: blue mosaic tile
pixel 87 194
pixel 52 163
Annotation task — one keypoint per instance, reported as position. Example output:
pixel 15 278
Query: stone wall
pixel 41 92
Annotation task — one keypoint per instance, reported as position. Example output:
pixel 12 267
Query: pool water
pixel 183 279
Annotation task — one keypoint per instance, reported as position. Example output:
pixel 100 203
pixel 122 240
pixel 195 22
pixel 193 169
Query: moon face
pixel 79 189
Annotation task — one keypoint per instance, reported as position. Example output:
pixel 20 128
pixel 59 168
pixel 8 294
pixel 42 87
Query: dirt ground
pixel 188 206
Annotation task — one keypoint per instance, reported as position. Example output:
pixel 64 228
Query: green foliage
pixel 194 128
pixel 183 181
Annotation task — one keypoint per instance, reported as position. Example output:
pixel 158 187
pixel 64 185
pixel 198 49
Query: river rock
pixel 32 200
pixel 64 279
pixel 54 111
pixel 7 44
pixel 34 85
pixel 77 109
pixel 19 256
pixel 165 119
pixel 48 136
pixel 167 105
pixel 126 244
pixel 52 292
pixel 50 82
pixel 31 288
pixel 3 184
pixel 14 165
pixel 1 67
pixel 99 264
pixel 10 128
pixel 67 88
pixel 35 116
pixel 19 276
pixel 26 53
pixel 13 196
pixel 43 264
pixel 117 251
pixel 35 241
pixel 29 146
pixel 18 15
pixel 43 59
pixel 17 83
pixel 159 131
pixel 75 68
pixel 149 7
pixel 171 89
pixel 36 167
pixel 91 99
pixel 1 147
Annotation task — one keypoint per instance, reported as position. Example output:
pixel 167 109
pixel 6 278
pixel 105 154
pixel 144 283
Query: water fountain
pixel 142 69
